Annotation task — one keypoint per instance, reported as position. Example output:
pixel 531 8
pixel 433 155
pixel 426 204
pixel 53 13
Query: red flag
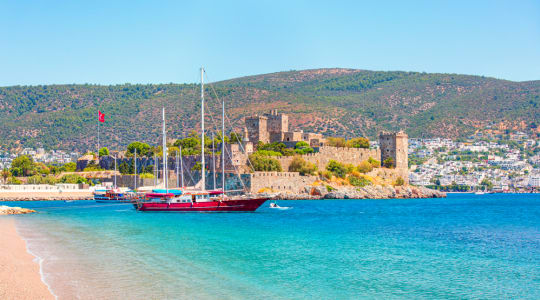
pixel 101 116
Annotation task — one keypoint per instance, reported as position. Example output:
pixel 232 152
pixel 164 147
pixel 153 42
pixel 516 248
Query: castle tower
pixel 395 145
pixel 257 127
pixel 278 124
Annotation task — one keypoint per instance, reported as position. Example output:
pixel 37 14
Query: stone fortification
pixel 274 127
pixel 395 145
pixel 326 154
pixel 289 182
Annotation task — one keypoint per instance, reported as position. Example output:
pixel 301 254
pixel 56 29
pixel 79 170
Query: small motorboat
pixel 274 205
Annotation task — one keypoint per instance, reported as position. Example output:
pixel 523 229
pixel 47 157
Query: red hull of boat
pixel 212 206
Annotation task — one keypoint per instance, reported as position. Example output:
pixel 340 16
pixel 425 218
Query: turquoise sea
pixel 463 247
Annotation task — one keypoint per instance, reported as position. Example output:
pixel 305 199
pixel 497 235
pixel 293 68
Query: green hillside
pixel 333 101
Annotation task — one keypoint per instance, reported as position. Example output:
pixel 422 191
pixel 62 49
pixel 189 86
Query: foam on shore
pixel 19 263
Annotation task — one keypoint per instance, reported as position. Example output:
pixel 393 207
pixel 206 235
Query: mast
pixel 203 180
pixel 115 171
pixel 177 173
pixel 213 162
pixel 181 165
pixel 223 145
pixel 155 170
pixel 135 171
pixel 165 177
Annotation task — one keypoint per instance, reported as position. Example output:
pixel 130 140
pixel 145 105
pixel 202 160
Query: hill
pixel 344 102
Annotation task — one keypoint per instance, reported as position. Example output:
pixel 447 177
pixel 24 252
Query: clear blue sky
pixel 45 42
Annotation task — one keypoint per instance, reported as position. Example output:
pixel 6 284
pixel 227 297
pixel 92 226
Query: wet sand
pixel 19 273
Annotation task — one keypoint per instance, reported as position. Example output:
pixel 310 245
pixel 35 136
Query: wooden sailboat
pixel 200 200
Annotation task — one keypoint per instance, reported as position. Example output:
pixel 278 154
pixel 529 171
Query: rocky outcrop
pixel 367 192
pixel 7 210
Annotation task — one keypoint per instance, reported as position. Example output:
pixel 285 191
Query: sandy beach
pixel 19 273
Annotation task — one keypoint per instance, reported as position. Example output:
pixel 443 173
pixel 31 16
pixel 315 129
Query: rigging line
pixel 226 152
pixel 230 122
pixel 236 171
pixel 223 140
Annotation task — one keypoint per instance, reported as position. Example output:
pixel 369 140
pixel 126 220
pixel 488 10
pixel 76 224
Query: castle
pixel 274 127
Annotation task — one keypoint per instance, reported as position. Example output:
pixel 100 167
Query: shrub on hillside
pixel 399 182
pixel 358 181
pixel 302 148
pixel 70 167
pixel 389 163
pixel 327 174
pixel 146 176
pixel 337 168
pixel 374 163
pixel 364 167
pixel 360 142
pixel 268 153
pixel 264 163
pixel 336 142
pixel 298 164
pixel 14 180
pixel 92 166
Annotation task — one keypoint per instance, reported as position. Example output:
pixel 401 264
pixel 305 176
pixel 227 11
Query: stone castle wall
pixel 290 182
pixel 326 153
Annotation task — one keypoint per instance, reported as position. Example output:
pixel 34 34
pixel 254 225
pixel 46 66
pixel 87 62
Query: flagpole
pixel 98 126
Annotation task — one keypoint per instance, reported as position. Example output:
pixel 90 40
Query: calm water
pixel 465 246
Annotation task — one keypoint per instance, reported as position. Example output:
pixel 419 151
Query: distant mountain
pixel 332 101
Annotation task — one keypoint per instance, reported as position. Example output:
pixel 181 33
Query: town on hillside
pixel 506 162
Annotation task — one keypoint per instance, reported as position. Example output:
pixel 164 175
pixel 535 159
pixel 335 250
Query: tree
pixel 124 168
pixel 142 149
pixel 336 141
pixel 235 138
pixel 298 164
pixel 302 148
pixel 5 174
pixel 190 145
pixel 487 183
pixel 365 167
pixel 389 163
pixel 338 169
pixel 172 151
pixel 41 168
pixel 268 153
pixel 301 145
pixel 264 163
pixel 73 178
pixel 360 142
pixel 70 167
pixel 104 151
pixel 23 166
pixel 197 166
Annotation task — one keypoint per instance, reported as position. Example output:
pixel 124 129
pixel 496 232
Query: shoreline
pixel 45 196
pixel 20 272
